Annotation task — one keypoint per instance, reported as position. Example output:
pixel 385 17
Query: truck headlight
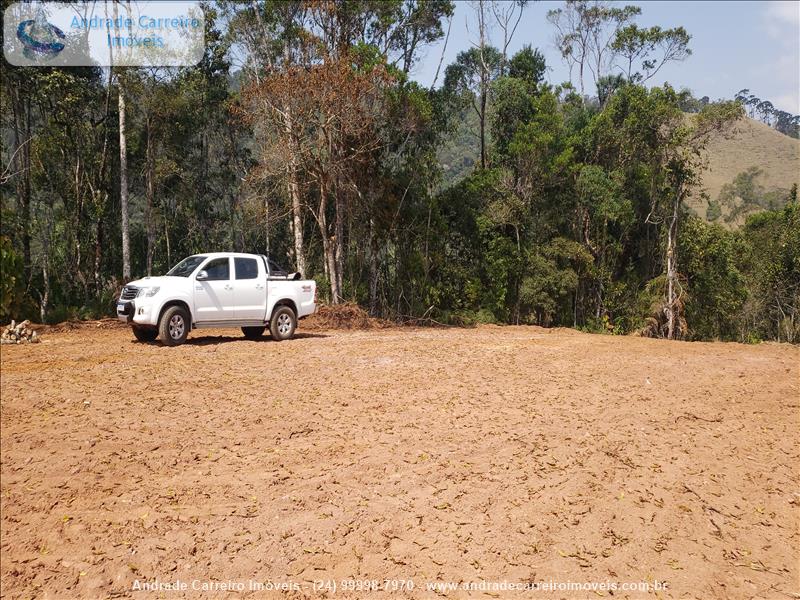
pixel 149 292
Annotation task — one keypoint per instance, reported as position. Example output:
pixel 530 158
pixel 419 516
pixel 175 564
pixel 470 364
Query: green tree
pixel 770 260
pixel 585 32
pixel 715 288
pixel 469 79
pixel 644 51
pixel 528 65
pixel 12 281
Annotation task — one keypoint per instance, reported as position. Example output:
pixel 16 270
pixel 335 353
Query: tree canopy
pixel 301 134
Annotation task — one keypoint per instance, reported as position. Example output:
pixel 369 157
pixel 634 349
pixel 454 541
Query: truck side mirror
pixel 202 276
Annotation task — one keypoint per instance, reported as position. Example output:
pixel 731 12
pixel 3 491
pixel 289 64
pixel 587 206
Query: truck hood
pixel 157 281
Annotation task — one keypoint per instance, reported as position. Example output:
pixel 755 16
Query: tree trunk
pixel 483 126
pixel 329 256
pixel 294 195
pixel 22 160
pixel 166 237
pixel 77 219
pixel 327 249
pixel 45 296
pixel 123 186
pixel 98 255
pixel 100 193
pixel 339 241
pixel 266 224
pixel 297 225
pixel 484 79
pixel 150 192
pixel 373 270
pixel 518 278
pixel 672 271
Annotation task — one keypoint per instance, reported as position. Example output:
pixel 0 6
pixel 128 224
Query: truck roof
pixel 273 267
pixel 221 254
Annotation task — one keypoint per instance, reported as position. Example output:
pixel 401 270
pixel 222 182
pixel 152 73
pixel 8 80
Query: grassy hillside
pixel 751 169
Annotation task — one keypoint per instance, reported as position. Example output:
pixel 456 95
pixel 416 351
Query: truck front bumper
pixel 125 311
pixel 135 314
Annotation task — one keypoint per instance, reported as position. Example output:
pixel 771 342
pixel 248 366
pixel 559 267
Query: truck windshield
pixel 186 267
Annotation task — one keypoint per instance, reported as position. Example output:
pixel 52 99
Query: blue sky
pixel 735 45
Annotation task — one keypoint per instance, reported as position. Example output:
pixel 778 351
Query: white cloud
pixel 789 102
pixel 781 21
pixel 785 68
pixel 781 15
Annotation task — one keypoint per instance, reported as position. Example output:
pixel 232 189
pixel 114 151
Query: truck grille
pixel 129 292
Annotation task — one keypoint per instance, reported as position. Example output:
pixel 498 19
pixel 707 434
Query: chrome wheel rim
pixel 284 324
pixel 176 327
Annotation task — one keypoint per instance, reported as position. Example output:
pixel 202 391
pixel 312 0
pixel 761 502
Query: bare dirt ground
pixel 492 454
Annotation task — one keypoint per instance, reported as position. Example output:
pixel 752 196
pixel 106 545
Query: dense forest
pixel 302 135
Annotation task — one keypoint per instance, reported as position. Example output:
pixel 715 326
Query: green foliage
pixel 567 224
pixel 745 194
pixel 715 288
pixel 458 153
pixel 643 51
pixel 584 30
pixel 464 77
pixel 602 193
pixel 607 85
pixel 540 148
pixel 513 106
pixel 714 210
pixel 546 289
pixel 770 260
pixel 12 282
pixel 515 97
pixel 552 281
pixel 528 65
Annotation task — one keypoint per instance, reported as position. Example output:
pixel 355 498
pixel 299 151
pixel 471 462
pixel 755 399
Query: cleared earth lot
pixel 434 455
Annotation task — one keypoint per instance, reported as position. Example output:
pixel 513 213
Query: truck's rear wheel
pixel 283 323
pixel 145 334
pixel 174 326
pixel 253 333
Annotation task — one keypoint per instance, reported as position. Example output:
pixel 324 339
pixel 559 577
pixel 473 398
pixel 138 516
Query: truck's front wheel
pixel 144 334
pixel 283 323
pixel 174 326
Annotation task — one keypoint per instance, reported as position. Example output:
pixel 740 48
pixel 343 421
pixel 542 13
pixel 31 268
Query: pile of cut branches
pixel 343 316
pixel 19 334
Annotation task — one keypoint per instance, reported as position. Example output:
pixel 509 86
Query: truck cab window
pixel 186 267
pixel 218 269
pixel 246 268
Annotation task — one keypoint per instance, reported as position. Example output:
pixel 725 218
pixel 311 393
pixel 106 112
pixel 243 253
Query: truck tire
pixel 282 324
pixel 253 333
pixel 145 334
pixel 174 326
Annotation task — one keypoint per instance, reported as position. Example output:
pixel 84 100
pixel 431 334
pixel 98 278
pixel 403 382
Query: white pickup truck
pixel 219 289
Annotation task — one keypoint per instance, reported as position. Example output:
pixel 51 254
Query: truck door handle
pixel 259 286
pixel 228 286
